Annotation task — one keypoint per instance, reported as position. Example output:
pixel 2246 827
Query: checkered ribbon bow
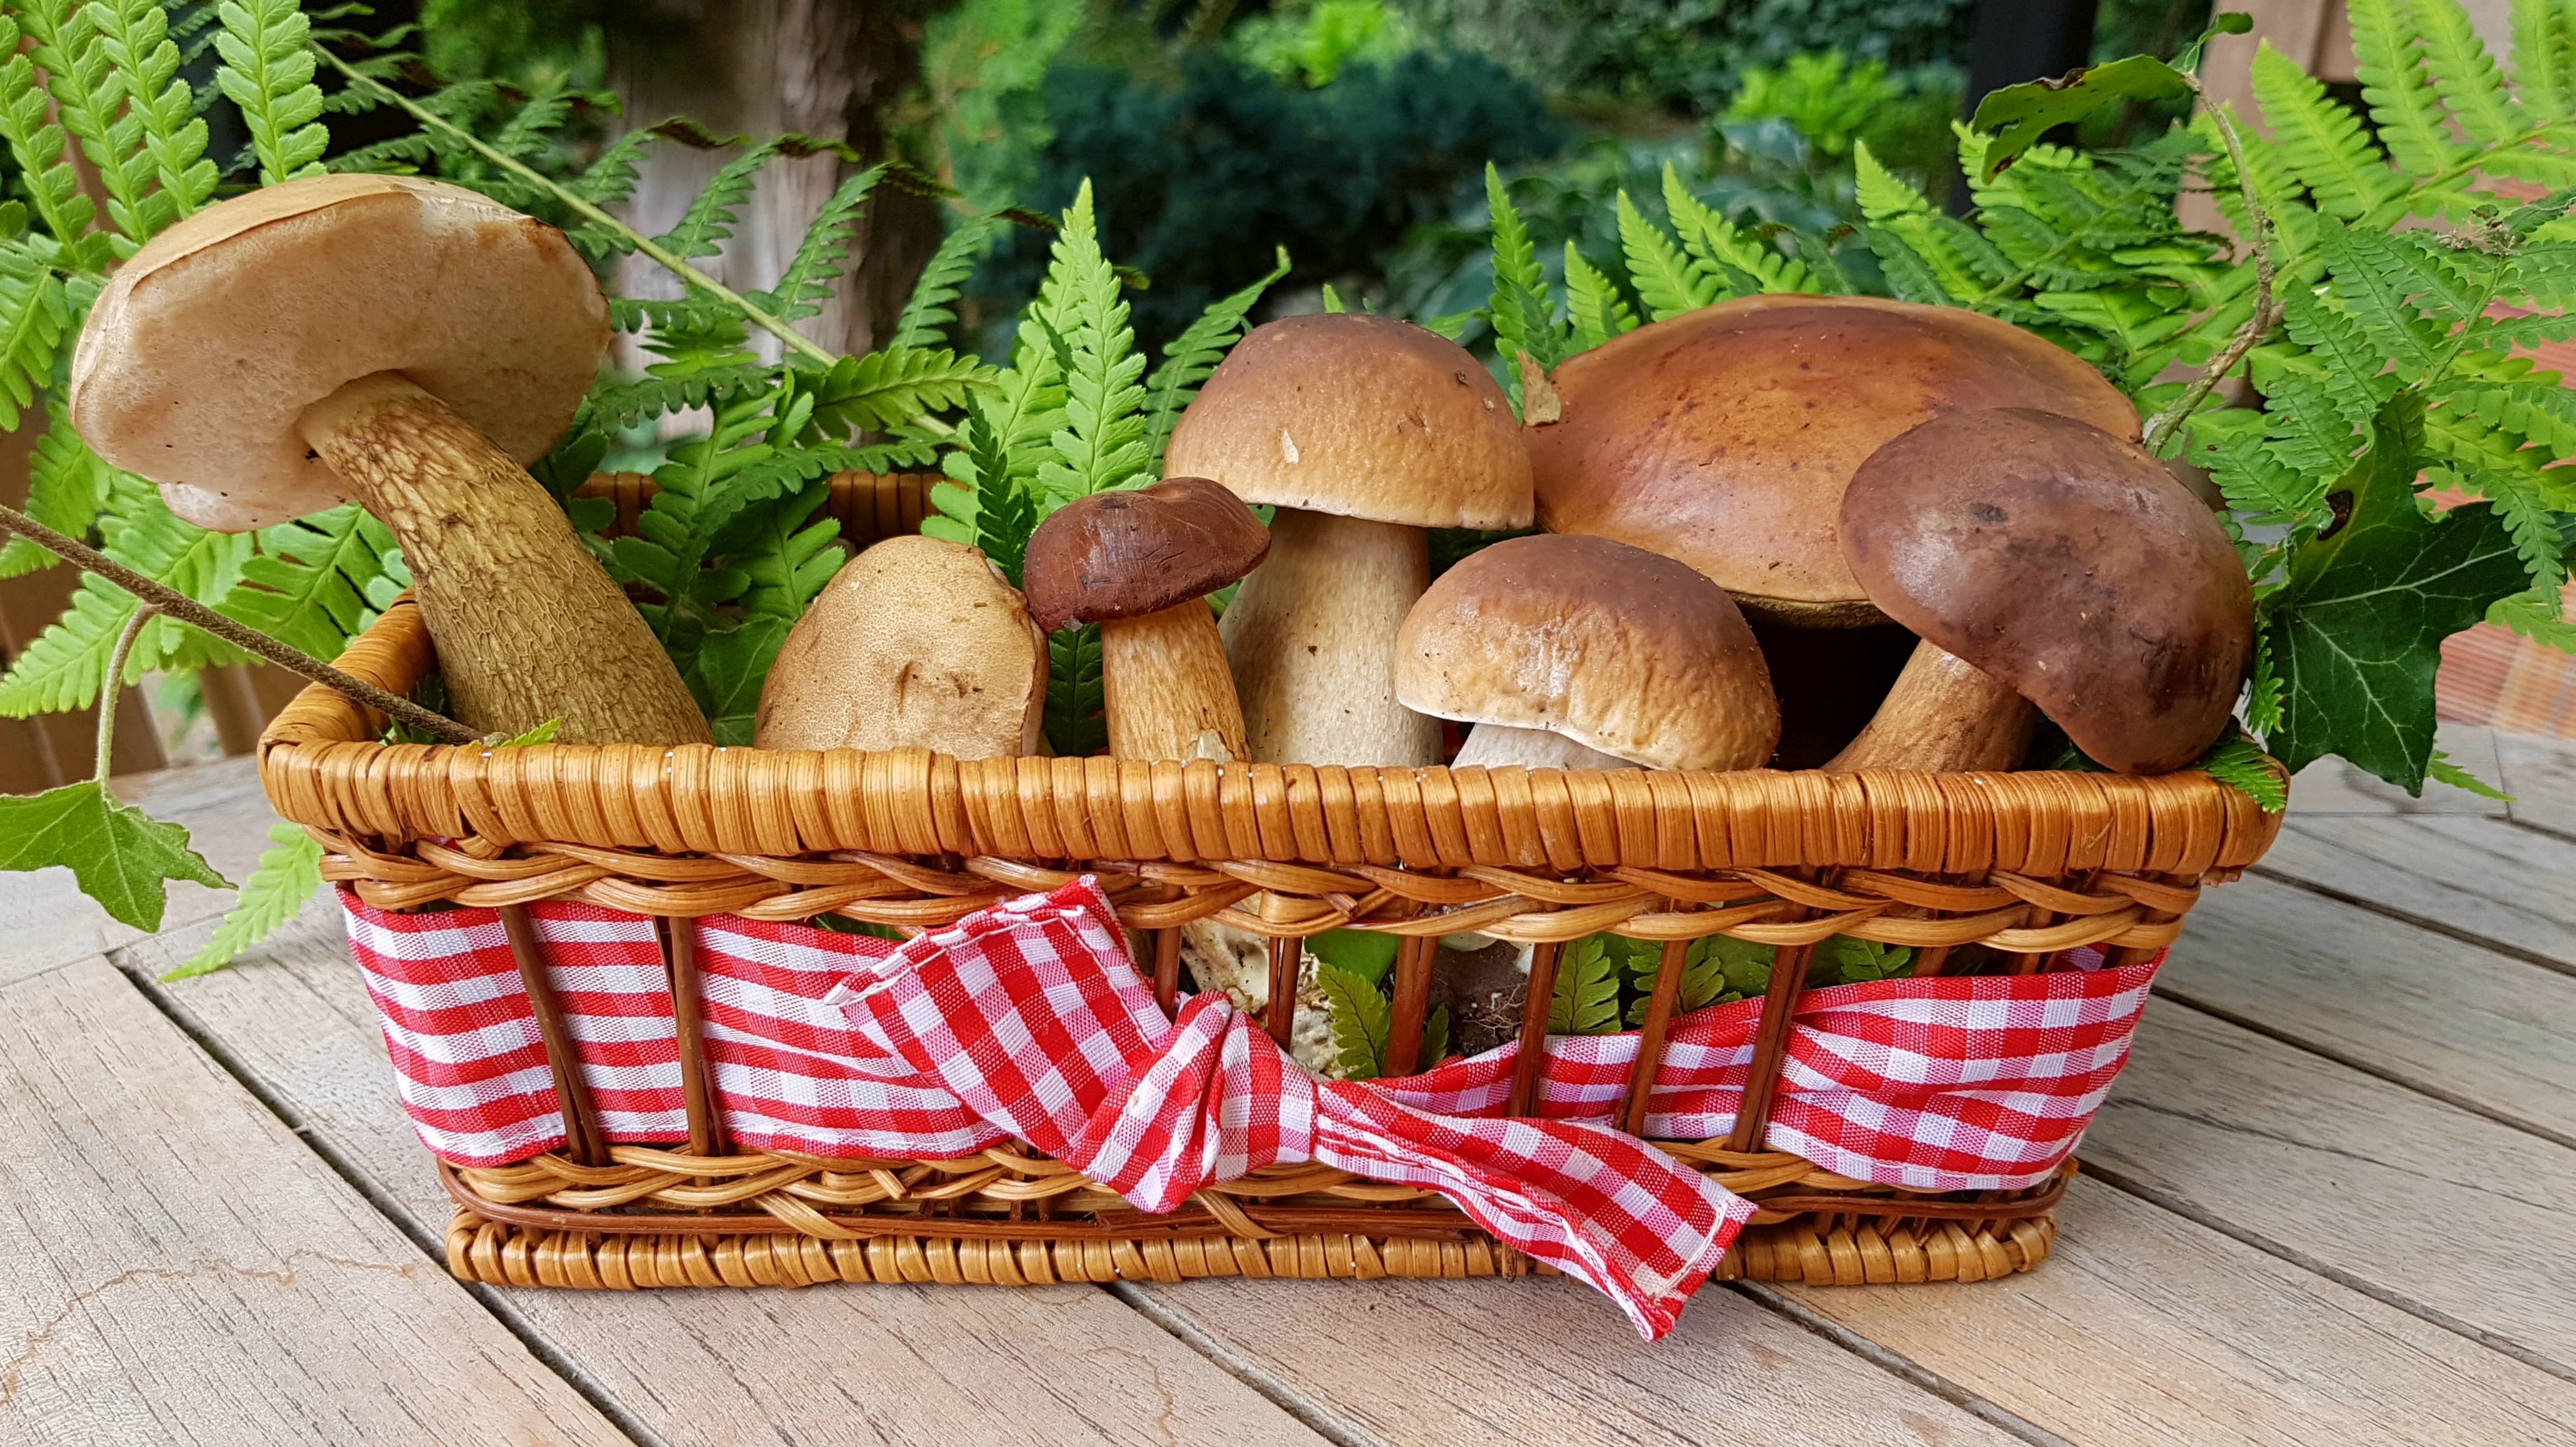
pixel 1031 1015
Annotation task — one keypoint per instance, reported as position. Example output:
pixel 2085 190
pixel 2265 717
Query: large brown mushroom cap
pixel 1126 554
pixel 1615 647
pixel 2070 565
pixel 1361 416
pixel 1724 437
pixel 211 341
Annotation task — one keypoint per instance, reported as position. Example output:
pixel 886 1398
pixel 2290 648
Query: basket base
pixel 1845 1254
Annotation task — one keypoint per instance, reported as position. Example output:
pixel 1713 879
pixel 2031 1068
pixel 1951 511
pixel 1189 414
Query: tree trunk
pixel 825 68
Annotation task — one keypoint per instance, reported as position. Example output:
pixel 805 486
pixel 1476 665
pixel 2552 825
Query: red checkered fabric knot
pixel 1032 1017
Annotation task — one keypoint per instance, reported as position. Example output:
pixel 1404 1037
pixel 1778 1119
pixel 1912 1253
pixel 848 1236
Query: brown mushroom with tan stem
pixel 2044 562
pixel 1363 432
pixel 412 345
pixel 1141 564
pixel 1582 653
pixel 917 643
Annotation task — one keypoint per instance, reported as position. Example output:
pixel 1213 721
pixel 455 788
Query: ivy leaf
pixel 119 854
pixel 1360 1019
pixel 2356 631
pixel 2021 114
pixel 1364 953
pixel 275 893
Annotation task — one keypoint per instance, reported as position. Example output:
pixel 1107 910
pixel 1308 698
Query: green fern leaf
pixel 37 147
pixel 1593 304
pixel 2388 57
pixel 1668 282
pixel 66 487
pixel 2263 703
pixel 2442 770
pixel 1725 250
pixel 626 403
pixel 2373 282
pixel 885 389
pixel 808 279
pixel 2540 60
pixel 1076 726
pixel 1102 445
pixel 2535 615
pixel 1882 194
pixel 268 72
pixel 2464 73
pixel 731 667
pixel 1360 1020
pixel 1521 311
pixel 2242 766
pixel 307 587
pixel 63 668
pixel 35 315
pixel 929 311
pixel 1587 988
pixel 709 221
pixel 1193 356
pixel 135 37
pixel 89 98
pixel 787 551
pixel 2352 367
pixel 993 502
pixel 287 879
pixel 2322 141
pixel 2309 431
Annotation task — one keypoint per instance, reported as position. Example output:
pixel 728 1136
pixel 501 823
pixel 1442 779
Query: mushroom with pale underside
pixel 1582 653
pixel 1141 564
pixel 917 643
pixel 1363 432
pixel 412 345
pixel 2044 563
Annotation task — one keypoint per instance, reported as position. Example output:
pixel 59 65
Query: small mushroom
pixel 1582 653
pixel 916 643
pixel 1363 431
pixel 1724 437
pixel 413 345
pixel 2040 558
pixel 1141 564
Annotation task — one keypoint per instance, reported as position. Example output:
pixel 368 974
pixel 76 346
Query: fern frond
pixel 889 387
pixel 1587 988
pixel 1102 444
pixel 2263 702
pixel 287 879
pixel 2373 280
pixel 1521 311
pixel 708 223
pixel 2351 373
pixel 38 147
pixel 135 35
pixel 1668 282
pixel 2322 141
pixel 993 502
pixel 66 487
pixel 786 551
pixel 89 97
pixel 2464 74
pixel 930 309
pixel 1075 725
pixel 2535 615
pixel 807 281
pixel 2388 57
pixel 2540 60
pixel 268 71
pixel 1193 356
pixel 2241 766
pixel 308 584
pixel 1881 194
pixel 630 402
pixel 35 315
pixel 1725 249
pixel 62 669
pixel 1593 304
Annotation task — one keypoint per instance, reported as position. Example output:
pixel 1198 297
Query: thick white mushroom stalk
pixel 1310 637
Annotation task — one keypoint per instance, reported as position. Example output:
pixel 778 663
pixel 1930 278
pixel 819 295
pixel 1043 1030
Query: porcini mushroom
pixel 916 643
pixel 1724 437
pixel 1582 653
pixel 1363 431
pixel 1141 564
pixel 2040 558
pixel 413 345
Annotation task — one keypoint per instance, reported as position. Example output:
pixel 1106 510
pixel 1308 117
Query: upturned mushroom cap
pixel 210 341
pixel 1614 647
pixel 1724 437
pixel 1366 417
pixel 1126 554
pixel 915 644
pixel 2071 566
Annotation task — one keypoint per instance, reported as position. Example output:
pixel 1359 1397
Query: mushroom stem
pixel 1311 636
pixel 1945 715
pixel 1494 745
pixel 1168 692
pixel 528 626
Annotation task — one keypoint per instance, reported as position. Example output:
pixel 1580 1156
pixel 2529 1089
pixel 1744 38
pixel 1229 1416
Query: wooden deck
pixel 2333 1201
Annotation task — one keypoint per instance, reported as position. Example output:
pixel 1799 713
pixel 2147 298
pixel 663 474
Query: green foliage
pixel 1587 987
pixel 275 893
pixel 2020 114
pixel 2240 764
pixel 1366 954
pixel 1313 47
pixel 65 665
pixel 120 855
pixel 66 487
pixel 1076 721
pixel 307 585
pixel 1360 1018
pixel 1827 98
pixel 981 66
pixel 268 72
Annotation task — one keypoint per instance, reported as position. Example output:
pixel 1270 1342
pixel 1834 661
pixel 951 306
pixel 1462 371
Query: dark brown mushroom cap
pixel 1724 437
pixel 1127 554
pixel 2069 564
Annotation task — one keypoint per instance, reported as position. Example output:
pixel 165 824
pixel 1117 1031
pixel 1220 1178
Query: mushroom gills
pixel 1311 636
pixel 1495 745
pixel 1945 715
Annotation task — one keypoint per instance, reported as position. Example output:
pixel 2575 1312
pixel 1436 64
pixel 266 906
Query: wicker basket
pixel 2029 863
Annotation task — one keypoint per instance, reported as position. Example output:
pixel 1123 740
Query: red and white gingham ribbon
pixel 1031 1015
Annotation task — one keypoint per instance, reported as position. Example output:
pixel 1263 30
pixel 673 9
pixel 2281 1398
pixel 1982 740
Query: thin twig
pixel 2267 311
pixel 109 690
pixel 188 610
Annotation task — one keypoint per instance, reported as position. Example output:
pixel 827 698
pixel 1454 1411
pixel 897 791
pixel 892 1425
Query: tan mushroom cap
pixel 1361 416
pixel 1724 437
pixel 210 341
pixel 2071 566
pixel 1614 647
pixel 916 643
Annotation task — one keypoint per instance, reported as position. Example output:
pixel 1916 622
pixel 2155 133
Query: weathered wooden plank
pixel 1066 1364
pixel 2461 1022
pixel 45 921
pixel 179 1269
pixel 2466 1217
pixel 2484 877
pixel 1544 1360
pixel 2540 773
pixel 2143 1327
pixel 2332 787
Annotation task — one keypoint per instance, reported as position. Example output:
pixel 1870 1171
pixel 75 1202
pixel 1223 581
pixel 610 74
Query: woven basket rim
pixel 321 767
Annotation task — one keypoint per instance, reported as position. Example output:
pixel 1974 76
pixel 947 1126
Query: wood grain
pixel 824 1365
pixel 2332 787
pixel 2540 773
pixel 2143 1327
pixel 2467 1217
pixel 2465 1023
pixel 179 1269
pixel 2484 877
pixel 45 921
